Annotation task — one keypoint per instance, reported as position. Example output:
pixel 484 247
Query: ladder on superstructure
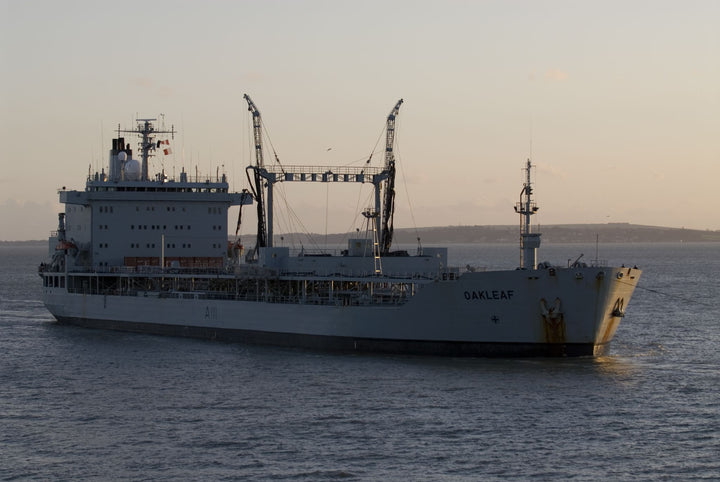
pixel 371 216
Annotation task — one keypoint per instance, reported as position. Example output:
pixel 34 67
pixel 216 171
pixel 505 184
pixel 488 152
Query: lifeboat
pixel 64 244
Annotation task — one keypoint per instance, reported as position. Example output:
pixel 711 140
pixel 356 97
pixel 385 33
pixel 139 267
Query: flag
pixel 167 151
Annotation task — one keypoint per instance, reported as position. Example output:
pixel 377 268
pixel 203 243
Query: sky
pixel 617 103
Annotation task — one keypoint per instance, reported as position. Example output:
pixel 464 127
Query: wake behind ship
pixel 151 254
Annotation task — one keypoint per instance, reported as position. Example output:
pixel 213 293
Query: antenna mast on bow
pixel 526 207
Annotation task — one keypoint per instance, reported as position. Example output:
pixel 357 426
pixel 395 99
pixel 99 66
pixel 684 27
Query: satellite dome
pixel 132 170
pixel 122 156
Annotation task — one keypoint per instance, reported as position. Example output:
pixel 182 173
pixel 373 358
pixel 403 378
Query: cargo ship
pixel 152 254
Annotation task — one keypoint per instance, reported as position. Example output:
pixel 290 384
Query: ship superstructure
pixel 125 219
pixel 151 254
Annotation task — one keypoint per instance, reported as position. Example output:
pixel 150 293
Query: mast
pixel 259 190
pixel 526 207
pixel 386 231
pixel 146 129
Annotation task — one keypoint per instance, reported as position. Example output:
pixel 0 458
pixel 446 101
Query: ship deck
pixel 249 284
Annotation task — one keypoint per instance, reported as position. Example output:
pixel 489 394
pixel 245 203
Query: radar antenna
pixel 147 131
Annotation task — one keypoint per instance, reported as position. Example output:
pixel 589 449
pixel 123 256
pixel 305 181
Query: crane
pixel 389 195
pixel 258 191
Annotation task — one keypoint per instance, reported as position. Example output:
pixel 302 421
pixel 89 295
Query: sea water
pixel 91 404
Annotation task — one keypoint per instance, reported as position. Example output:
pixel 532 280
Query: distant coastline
pixel 555 233
pixel 560 233
pixel 32 242
pixel 551 234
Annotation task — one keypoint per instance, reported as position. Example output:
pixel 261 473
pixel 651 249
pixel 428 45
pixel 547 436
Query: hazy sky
pixel 617 102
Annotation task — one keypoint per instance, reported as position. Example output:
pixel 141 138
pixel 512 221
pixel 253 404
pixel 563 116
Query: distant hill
pixel 556 233
pixel 33 242
pixel 560 233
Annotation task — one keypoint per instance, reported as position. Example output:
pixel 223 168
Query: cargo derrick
pixel 386 231
pixel 258 189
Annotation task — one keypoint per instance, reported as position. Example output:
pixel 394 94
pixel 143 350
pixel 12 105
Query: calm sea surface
pixel 89 404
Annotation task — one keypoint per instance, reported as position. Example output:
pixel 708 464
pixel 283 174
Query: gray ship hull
pixel 350 344
pixel 556 312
